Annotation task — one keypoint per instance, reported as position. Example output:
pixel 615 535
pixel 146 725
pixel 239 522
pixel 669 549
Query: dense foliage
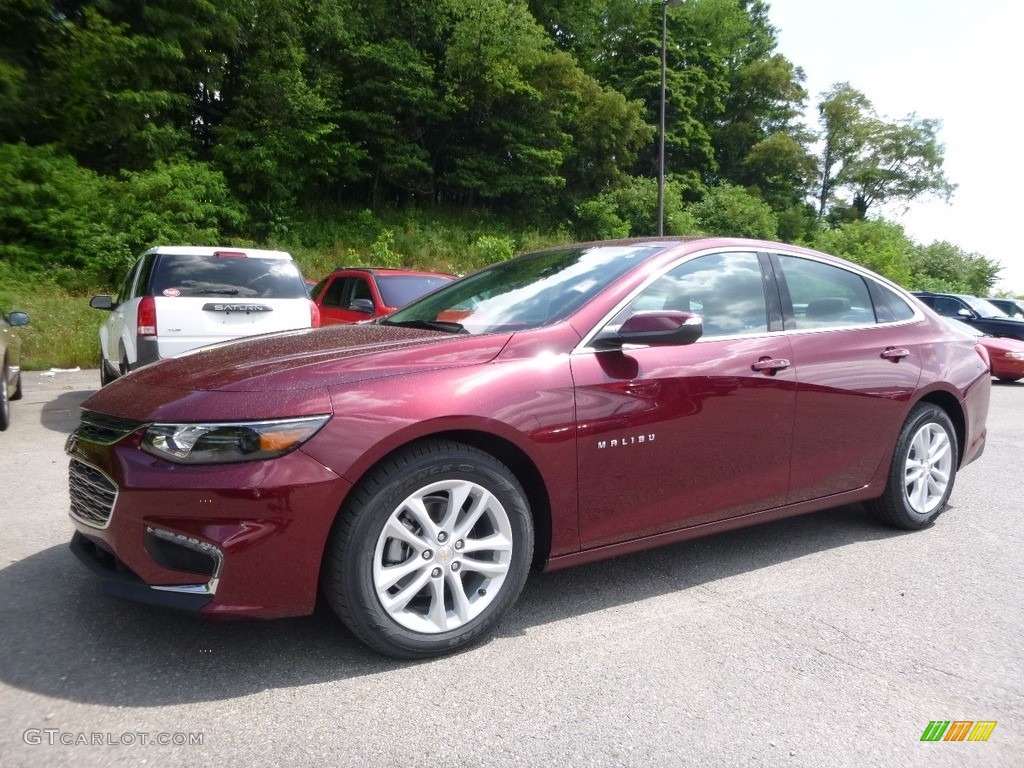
pixel 126 123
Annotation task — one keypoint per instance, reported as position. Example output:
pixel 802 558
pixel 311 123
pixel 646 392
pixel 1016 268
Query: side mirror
pixel 964 312
pixel 362 305
pixel 101 302
pixel 18 318
pixel 655 328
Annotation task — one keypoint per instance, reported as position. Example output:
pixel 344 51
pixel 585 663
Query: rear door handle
pixel 770 365
pixel 895 354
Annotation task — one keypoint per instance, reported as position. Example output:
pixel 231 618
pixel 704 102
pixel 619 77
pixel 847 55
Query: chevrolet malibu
pixel 559 408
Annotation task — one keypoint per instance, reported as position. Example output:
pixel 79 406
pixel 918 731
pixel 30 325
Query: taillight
pixel 314 315
pixel 229 254
pixel 147 317
pixel 983 354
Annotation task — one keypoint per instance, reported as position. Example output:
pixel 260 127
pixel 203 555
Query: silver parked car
pixel 10 354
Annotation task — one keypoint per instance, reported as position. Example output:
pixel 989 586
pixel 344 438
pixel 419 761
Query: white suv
pixel 177 298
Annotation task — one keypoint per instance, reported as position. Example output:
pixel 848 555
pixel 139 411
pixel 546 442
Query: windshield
pixel 525 292
pixel 984 308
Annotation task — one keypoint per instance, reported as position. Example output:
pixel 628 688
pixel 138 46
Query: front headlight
pixel 215 443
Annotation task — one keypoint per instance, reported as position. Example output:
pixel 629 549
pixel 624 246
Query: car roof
pixel 205 250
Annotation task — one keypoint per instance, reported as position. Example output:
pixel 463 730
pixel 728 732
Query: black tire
pixel 5 406
pixel 925 460
pixel 442 560
pixel 16 395
pixel 105 377
pixel 123 368
pixel 1009 379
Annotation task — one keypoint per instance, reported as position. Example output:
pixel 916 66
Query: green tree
pixel 876 244
pixel 731 211
pixel 867 161
pixel 945 267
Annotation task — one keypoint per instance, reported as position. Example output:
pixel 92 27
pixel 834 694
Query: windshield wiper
pixel 430 325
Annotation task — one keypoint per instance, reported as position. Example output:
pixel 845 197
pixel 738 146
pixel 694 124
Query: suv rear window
pixel 180 275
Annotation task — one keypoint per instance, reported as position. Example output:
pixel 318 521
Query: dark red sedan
pixel 562 407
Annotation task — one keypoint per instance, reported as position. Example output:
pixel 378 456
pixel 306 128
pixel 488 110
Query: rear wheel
pixel 430 550
pixel 16 395
pixel 923 470
pixel 1009 379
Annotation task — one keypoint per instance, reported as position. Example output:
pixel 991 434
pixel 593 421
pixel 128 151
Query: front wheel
pixel 430 550
pixel 923 470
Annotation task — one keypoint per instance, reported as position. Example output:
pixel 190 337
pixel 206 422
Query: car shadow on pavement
pixel 61 414
pixel 64 639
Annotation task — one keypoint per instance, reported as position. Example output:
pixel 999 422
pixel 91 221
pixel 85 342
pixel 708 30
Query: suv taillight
pixel 146 324
pixel 314 315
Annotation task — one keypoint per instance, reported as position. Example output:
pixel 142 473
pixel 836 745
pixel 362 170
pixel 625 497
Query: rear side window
pixel 826 296
pixel 214 276
pixel 890 307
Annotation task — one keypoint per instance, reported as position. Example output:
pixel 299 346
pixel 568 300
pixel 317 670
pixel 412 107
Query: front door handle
pixel 770 365
pixel 895 354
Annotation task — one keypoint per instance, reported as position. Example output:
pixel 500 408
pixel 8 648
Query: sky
pixel 959 62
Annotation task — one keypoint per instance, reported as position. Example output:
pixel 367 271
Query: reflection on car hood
pixel 293 371
pixel 320 358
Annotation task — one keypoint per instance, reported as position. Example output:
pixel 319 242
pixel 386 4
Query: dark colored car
pixel 1007 355
pixel 979 313
pixel 559 408
pixel 10 364
pixel 355 294
pixel 1012 307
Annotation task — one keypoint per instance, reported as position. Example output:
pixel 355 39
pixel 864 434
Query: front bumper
pixel 242 539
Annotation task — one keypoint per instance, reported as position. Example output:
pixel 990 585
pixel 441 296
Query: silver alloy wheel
pixel 442 556
pixel 928 468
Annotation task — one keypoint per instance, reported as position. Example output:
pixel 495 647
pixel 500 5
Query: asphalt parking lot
pixel 824 640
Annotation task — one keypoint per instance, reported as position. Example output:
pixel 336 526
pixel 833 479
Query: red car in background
pixel 355 294
pixel 1007 355
pixel 559 408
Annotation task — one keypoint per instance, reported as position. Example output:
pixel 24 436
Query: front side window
pixel 826 296
pixel 948 307
pixel 725 289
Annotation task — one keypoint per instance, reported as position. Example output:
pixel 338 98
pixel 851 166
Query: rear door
pixel 857 355
pixel 203 300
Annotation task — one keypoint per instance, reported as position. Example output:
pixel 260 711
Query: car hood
pixel 290 372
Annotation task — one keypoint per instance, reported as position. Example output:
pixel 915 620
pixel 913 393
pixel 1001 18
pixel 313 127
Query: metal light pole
pixel 661 122
pixel 661 125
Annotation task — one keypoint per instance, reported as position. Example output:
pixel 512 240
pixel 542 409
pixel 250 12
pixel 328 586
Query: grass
pixel 64 331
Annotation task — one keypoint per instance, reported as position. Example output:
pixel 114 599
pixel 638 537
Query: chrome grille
pixel 99 428
pixel 92 494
